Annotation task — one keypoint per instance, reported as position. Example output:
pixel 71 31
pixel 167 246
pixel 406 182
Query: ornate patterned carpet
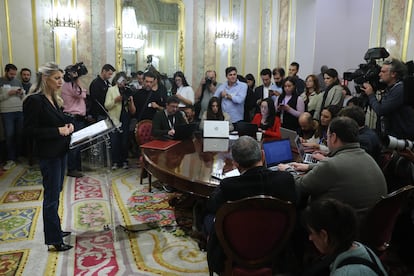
pixel 97 221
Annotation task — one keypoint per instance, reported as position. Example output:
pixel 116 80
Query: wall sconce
pixel 134 36
pixel 226 32
pixel 62 22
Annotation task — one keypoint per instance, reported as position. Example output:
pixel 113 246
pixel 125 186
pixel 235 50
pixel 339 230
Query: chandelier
pixel 63 22
pixel 134 36
pixel 226 32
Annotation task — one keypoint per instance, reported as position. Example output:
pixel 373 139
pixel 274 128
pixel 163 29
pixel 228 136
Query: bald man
pixel 307 126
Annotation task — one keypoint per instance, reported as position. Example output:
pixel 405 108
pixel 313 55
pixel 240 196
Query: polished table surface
pixel 187 166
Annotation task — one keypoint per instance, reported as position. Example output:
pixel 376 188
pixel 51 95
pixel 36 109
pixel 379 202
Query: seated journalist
pixel 349 174
pixel 165 120
pixel 255 179
pixel 332 227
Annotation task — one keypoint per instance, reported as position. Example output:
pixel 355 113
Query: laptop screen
pixel 184 131
pixel 248 129
pixel 277 151
pixel 216 129
pixel 299 145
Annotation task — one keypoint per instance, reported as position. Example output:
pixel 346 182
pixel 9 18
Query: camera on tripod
pixel 78 68
pixel 368 72
pixel 394 143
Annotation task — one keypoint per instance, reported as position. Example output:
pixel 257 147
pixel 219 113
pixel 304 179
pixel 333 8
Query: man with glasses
pixel 164 121
pixel 349 174
pixel 395 117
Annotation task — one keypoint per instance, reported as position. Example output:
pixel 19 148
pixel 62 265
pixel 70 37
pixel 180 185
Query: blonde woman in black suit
pixel 50 129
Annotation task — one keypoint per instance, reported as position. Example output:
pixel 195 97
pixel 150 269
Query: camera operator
pixel 394 117
pixel 205 91
pixel 74 106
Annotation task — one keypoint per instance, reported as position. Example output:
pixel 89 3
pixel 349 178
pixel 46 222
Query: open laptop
pixel 216 129
pixel 289 134
pixel 305 157
pixel 248 129
pixel 184 131
pixel 277 152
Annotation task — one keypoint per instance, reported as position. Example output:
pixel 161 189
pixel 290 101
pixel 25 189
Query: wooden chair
pixel 252 232
pixel 377 226
pixel 143 135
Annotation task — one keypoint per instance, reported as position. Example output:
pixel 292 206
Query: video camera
pixel 368 72
pixel 397 144
pixel 78 68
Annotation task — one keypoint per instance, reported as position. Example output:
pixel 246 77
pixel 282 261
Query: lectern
pixel 95 146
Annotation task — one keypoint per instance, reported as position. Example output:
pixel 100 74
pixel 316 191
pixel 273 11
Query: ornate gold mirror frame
pixel 118 32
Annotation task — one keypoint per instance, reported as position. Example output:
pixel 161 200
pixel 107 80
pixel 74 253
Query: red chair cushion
pixel 243 236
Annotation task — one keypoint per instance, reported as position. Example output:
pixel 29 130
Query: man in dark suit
pixel 254 180
pixel 265 90
pixel 165 120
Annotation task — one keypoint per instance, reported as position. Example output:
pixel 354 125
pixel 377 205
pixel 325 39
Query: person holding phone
pixel 11 99
pixel 290 105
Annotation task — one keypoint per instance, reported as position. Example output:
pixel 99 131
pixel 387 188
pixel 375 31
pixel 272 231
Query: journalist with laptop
pixel 349 174
pixel 215 113
pixel 165 122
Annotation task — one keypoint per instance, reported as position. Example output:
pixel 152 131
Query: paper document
pixel 90 132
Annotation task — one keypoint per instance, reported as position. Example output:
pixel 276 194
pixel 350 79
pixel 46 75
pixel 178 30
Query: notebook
pixel 276 152
pixel 289 134
pixel 305 157
pixel 248 129
pixel 160 144
pixel 184 131
pixel 216 129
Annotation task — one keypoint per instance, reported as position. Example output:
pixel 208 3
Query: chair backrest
pixel 143 132
pixel 378 224
pixel 252 231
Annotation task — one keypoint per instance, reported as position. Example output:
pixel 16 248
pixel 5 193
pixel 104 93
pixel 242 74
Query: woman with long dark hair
pixel 182 90
pixel 45 122
pixel 267 121
pixel 332 227
pixel 311 94
pixel 290 105
pixel 215 113
pixel 332 94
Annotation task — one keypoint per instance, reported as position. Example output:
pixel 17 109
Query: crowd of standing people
pixel 40 119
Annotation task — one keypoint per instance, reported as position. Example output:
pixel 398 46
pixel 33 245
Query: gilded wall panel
pixel 209 31
pixel 393 26
pixel 84 40
pixel 199 42
pixel 284 18
pixel 98 34
pixel 235 52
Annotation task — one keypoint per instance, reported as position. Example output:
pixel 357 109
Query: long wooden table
pixel 186 166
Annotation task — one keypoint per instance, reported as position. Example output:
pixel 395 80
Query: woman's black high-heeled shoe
pixel 59 247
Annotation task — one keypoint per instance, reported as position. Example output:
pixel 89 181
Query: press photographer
pixel 394 116
pixel 74 106
pixel 206 89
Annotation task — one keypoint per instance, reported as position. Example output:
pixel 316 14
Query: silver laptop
pixel 289 134
pixel 305 157
pixel 216 129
